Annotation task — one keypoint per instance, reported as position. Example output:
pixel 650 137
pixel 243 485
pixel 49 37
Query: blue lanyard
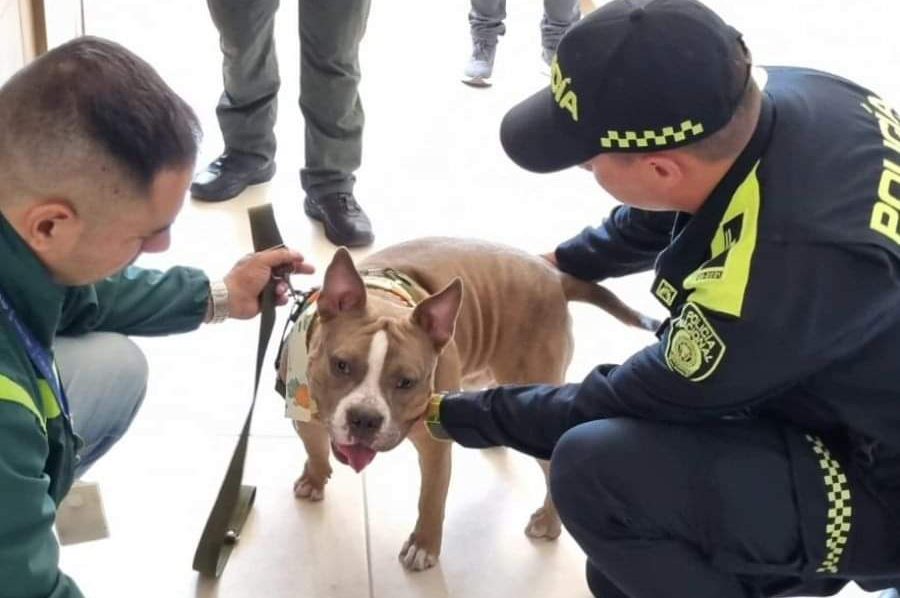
pixel 40 357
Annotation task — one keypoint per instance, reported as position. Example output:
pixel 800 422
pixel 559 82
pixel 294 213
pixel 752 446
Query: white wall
pixel 12 47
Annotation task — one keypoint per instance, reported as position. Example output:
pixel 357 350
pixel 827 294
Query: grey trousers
pixel 486 20
pixel 330 34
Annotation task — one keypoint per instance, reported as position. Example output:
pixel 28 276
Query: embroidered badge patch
pixel 694 349
pixel 665 292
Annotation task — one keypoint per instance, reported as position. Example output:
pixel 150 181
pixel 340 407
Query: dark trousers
pixel 734 509
pixel 330 34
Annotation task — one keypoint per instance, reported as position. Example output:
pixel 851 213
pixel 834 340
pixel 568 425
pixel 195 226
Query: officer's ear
pixel 664 171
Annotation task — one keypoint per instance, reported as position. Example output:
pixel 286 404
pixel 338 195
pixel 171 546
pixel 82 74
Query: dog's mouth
pixel 357 456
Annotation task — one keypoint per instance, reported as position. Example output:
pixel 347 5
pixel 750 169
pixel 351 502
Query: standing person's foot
pixel 229 174
pixel 481 63
pixel 547 55
pixel 344 220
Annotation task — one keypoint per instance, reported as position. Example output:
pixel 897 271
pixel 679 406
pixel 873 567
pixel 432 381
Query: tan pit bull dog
pixel 486 314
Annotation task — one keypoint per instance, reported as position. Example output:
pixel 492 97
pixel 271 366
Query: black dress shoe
pixel 344 220
pixel 229 174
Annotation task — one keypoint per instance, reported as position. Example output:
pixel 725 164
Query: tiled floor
pixel 432 165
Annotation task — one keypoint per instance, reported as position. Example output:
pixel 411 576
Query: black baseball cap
pixel 632 76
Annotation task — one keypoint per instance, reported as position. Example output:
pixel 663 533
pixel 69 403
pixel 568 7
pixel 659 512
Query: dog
pixel 485 314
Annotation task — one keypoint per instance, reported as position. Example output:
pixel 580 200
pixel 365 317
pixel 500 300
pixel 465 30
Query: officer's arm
pixel 138 301
pixel 799 316
pixel 29 554
pixel 627 242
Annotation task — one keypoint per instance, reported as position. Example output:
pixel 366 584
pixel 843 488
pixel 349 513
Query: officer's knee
pixel 594 470
pixel 576 467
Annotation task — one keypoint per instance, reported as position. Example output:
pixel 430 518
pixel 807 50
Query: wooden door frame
pixel 34 28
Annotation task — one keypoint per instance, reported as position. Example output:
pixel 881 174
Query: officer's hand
pixel 551 257
pixel 250 275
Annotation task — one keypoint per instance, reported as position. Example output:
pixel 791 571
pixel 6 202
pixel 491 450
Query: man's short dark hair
pixel 729 141
pixel 92 99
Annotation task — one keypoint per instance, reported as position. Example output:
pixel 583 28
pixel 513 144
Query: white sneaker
pixel 481 63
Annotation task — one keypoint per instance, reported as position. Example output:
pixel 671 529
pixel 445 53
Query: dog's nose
pixel 363 423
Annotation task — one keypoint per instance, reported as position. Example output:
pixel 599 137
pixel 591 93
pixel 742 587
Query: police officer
pixel 754 450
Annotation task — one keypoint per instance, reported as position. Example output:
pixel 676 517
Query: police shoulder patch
pixel 694 349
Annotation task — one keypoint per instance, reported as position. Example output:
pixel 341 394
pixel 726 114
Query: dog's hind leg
pixel 544 523
pixel 545 363
pixel 311 483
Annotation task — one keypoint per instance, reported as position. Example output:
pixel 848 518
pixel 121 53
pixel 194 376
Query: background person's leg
pixel 559 16
pixel 486 20
pixel 248 105
pixel 105 379
pixel 330 34
pixel 709 511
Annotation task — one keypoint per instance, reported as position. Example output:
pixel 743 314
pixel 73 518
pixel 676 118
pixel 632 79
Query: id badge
pixel 80 516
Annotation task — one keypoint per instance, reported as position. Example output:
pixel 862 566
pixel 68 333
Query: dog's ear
pixel 342 288
pixel 437 314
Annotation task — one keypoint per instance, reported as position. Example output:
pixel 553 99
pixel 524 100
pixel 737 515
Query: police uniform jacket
pixel 783 292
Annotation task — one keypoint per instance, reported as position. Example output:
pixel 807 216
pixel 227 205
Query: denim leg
pixel 105 378
pixel 559 16
pixel 486 19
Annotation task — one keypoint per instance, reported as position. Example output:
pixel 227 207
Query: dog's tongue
pixel 357 455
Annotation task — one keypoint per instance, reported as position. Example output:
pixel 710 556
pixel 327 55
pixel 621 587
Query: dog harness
pixel 299 405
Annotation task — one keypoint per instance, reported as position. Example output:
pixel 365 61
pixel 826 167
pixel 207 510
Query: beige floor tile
pixel 485 552
pixel 158 491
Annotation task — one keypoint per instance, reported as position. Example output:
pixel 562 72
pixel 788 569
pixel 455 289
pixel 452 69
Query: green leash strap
pixel 233 504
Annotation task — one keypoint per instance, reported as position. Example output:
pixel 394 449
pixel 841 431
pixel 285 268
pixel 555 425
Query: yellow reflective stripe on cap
pixel 10 391
pixel 721 282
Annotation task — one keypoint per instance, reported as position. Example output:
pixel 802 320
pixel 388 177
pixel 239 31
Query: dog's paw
pixel 416 557
pixel 309 486
pixel 544 524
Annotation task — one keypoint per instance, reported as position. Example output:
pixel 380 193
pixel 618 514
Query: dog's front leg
pixel 311 484
pixel 423 547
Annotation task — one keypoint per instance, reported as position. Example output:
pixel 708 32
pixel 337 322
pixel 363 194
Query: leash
pixel 234 501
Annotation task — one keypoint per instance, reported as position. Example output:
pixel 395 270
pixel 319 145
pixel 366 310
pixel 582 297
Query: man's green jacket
pixel 38 449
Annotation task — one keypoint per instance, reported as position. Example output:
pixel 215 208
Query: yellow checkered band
pixel 668 136
pixel 837 531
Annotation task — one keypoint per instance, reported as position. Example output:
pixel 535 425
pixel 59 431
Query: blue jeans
pixel 105 377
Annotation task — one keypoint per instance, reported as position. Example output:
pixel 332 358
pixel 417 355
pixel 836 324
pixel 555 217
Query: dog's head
pixel 372 360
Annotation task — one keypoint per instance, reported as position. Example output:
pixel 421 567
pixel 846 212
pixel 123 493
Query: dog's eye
pixel 341 367
pixel 405 383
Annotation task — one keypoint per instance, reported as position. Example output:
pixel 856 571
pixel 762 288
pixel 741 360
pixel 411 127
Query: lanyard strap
pixel 39 355
pixel 234 501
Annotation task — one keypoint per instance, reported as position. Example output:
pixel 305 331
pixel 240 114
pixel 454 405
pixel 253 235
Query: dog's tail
pixel 596 294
